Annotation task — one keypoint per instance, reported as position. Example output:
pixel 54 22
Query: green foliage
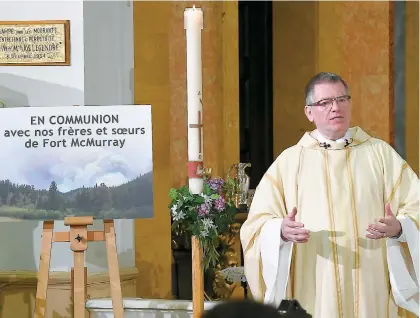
pixel 205 215
pixel 23 201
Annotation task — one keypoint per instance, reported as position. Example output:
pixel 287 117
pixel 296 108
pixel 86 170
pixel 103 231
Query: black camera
pixel 290 308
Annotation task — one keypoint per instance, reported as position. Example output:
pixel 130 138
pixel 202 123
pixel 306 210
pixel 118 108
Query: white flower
pixel 208 224
pixel 178 216
pixel 204 233
pixel 174 208
pixel 207 199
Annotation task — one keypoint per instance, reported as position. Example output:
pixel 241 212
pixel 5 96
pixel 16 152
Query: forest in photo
pixel 133 199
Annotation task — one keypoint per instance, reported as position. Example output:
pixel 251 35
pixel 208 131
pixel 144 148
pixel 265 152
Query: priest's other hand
pixel 387 226
pixel 293 231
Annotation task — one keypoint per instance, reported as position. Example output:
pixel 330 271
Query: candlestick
pixel 193 24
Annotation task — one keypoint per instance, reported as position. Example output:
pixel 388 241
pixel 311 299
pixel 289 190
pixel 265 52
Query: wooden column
pixel 353 39
pixel 412 84
pixel 357 44
pixel 152 85
pixel 220 88
pixel 294 62
pixel 160 79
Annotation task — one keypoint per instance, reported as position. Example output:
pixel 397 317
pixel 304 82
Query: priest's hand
pixel 293 231
pixel 387 226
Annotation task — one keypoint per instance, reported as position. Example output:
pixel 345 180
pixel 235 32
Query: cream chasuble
pixel 338 188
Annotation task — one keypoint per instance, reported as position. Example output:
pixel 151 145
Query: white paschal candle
pixel 193 24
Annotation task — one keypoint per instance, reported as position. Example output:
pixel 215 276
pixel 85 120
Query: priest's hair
pixel 242 309
pixel 323 77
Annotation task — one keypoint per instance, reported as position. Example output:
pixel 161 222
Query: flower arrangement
pixel 205 215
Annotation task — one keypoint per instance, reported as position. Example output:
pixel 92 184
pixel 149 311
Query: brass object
pixel 236 199
pixel 207 172
pixel 242 182
pixel 251 193
pixel 221 288
pixel 229 257
pixel 229 249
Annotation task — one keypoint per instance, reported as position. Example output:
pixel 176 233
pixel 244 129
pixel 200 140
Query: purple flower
pixel 216 184
pixel 220 203
pixel 203 209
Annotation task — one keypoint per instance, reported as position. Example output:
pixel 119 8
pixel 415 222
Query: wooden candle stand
pixel 197 278
pixel 78 236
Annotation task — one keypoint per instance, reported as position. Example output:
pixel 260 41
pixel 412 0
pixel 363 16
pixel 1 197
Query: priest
pixel 334 220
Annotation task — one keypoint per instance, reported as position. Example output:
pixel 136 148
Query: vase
pixel 242 180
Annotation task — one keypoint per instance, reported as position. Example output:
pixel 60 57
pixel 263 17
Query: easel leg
pixel 72 284
pixel 79 285
pixel 78 244
pixel 113 267
pixel 44 269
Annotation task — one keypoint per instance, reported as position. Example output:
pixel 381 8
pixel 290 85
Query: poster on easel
pixel 58 162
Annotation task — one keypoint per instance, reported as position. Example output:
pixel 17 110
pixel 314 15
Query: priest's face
pixel 330 110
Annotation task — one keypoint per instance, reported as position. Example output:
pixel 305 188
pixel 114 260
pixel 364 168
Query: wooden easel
pixel 78 236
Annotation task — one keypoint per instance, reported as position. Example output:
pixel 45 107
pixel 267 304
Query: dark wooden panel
pixel 256 86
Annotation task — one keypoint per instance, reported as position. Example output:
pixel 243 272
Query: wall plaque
pixel 34 43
